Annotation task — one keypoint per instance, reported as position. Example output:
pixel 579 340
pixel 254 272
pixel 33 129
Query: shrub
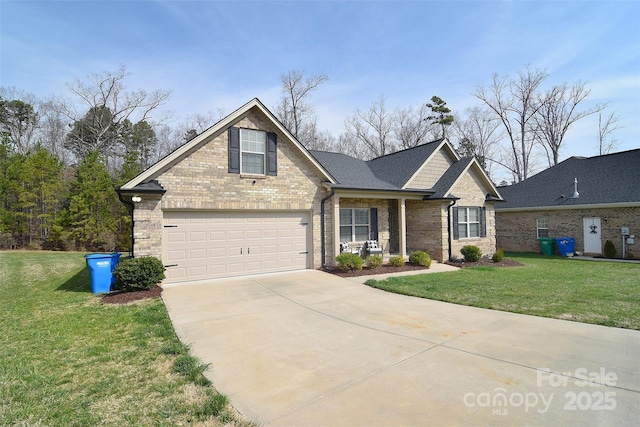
pixel 374 261
pixel 396 261
pixel 471 253
pixel 498 256
pixel 609 249
pixel 349 262
pixel 420 258
pixel 137 274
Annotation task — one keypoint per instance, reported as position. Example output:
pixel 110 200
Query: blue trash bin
pixel 565 245
pixel 101 269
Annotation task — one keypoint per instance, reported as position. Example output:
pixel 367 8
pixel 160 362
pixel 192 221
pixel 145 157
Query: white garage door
pixel 208 245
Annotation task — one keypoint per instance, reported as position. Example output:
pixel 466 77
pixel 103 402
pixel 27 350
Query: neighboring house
pixel 245 197
pixel 544 205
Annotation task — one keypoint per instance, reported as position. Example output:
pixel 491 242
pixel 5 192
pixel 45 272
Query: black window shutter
pixel 374 224
pixel 234 150
pixel 272 154
pixel 483 222
pixel 456 234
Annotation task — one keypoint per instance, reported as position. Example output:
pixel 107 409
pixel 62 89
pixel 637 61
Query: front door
pixel 592 235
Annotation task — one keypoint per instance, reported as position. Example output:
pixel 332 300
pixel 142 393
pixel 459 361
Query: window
pixel 468 222
pixel 252 149
pixel 253 152
pixel 354 225
pixel 543 227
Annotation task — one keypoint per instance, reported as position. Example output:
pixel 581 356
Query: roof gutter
pixel 322 227
pixel 449 237
pixel 570 207
pixel 130 205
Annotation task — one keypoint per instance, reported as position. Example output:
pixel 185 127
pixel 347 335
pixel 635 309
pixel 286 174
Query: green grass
pixel 602 293
pixel 66 359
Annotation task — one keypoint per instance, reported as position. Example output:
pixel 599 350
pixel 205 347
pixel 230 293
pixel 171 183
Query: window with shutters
pixel 252 152
pixel 355 225
pixel 469 222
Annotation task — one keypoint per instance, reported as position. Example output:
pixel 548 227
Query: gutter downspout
pixel 322 230
pixel 450 241
pixel 130 204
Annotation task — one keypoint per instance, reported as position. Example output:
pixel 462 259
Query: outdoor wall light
pixel 136 199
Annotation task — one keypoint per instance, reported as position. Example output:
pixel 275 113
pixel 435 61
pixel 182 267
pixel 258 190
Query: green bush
pixel 609 249
pixel 471 253
pixel 498 256
pixel 396 261
pixel 349 262
pixel 137 274
pixel 374 261
pixel 420 258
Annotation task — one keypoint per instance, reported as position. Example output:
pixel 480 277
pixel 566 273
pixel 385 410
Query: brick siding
pixel 517 231
pixel 201 181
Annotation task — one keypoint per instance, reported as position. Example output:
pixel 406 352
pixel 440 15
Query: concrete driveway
pixel 309 348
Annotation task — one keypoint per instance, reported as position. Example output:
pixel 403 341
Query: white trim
pixel 572 207
pixel 185 149
pixel 481 173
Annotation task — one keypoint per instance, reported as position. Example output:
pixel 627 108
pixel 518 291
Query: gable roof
pixel 351 173
pixel 398 168
pixel 184 150
pixel 393 171
pixel 607 179
pixel 442 189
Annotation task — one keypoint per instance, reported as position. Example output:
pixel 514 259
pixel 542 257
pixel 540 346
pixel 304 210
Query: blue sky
pixel 219 54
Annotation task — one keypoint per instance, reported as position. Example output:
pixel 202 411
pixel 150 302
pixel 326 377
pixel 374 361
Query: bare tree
pixel 514 103
pixel 606 143
pixel 105 95
pixel 53 131
pixel 412 127
pixel 294 110
pixel 477 135
pixel 373 129
pixel 557 112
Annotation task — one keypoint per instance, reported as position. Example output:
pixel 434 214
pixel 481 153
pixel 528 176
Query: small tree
pixel 441 114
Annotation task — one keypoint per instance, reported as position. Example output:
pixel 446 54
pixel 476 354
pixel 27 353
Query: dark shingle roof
pixel 612 178
pixel 351 172
pixel 389 172
pixel 397 168
pixel 449 178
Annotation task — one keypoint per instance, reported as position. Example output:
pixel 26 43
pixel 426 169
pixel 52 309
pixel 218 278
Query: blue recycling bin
pixel 101 269
pixel 565 245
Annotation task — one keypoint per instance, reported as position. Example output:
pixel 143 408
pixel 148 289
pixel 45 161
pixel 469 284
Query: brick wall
pixel 472 193
pixel 201 181
pixel 427 228
pixel 517 231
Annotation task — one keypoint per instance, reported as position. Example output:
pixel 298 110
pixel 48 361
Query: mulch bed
pixel 386 268
pixel 127 297
pixel 366 271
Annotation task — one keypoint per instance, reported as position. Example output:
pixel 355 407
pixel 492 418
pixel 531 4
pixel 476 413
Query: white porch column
pixel 402 226
pixel 336 225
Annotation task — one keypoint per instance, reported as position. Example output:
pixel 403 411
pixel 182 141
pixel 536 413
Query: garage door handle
pixel 170 265
pixel 305 252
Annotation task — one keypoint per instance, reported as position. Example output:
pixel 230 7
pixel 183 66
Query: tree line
pixel 61 158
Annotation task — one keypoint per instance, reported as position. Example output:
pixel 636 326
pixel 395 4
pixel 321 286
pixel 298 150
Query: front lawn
pixel 603 293
pixel 68 360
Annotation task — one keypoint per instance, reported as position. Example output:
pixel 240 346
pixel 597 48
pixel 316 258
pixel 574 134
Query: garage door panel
pixel 235 234
pixel 206 245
